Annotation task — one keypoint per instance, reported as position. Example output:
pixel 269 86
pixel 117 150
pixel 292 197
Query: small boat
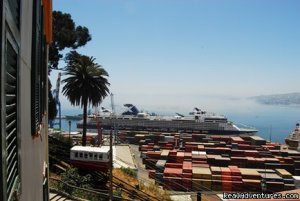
pixel 74 117
pixel 293 138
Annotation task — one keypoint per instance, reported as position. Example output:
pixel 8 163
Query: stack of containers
pixel 285 165
pixel 207 139
pixel 151 159
pixel 288 164
pixel 190 147
pixel 236 177
pixel 186 139
pixel 237 153
pixel 160 167
pixel 218 150
pixel 146 147
pixel 251 179
pixel 239 161
pixel 188 156
pixel 179 157
pixel 198 137
pixel 164 154
pixel 151 174
pixel 296 165
pixel 142 142
pixel 211 159
pixel 172 156
pixel 187 173
pixel 245 147
pixel 161 137
pixel 168 146
pixel 216 178
pixel 251 153
pixel 200 147
pixel 169 138
pixel 256 140
pixel 201 178
pixel 237 140
pixel 130 139
pixel 251 162
pixel 165 145
pixel 260 162
pixel 222 161
pixel 274 182
pixel 156 137
pixel 287 179
pixel 199 157
pixel 297 181
pixel 264 153
pixel 139 137
pixel 172 178
pixel 226 179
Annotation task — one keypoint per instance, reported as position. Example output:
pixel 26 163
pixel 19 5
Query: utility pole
pixel 111 149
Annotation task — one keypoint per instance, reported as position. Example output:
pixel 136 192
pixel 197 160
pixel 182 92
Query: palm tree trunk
pixel 84 122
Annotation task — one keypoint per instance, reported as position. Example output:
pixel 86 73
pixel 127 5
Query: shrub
pixel 129 172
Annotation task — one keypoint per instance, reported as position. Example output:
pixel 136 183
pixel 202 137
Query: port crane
pixel 55 94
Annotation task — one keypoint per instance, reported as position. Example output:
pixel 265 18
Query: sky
pixel 177 54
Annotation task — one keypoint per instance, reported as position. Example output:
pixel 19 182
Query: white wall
pixel 33 150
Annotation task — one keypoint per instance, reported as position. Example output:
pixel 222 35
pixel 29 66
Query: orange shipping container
pixel 173 172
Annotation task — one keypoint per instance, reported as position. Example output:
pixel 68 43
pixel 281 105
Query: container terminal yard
pixel 193 162
pixel 200 162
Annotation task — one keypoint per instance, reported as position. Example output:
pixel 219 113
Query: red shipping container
pixel 236 178
pixel 173 152
pixel 173 165
pixel 226 186
pixel 187 167
pixel 173 172
pixel 187 183
pixel 226 178
pixel 225 171
pixel 187 155
pixel 187 175
pixel 200 164
pixel 151 174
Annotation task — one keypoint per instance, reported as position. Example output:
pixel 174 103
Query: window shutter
pixel 11 111
pixel 15 10
pixel 37 79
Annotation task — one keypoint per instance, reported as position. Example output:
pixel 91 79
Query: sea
pixel 273 122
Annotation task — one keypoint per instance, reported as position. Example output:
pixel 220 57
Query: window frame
pixel 39 77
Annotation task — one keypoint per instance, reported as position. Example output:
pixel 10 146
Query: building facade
pixel 25 34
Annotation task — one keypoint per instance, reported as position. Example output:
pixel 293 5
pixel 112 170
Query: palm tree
pixel 86 84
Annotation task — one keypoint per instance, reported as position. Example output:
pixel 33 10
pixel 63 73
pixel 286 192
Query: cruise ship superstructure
pixel 197 121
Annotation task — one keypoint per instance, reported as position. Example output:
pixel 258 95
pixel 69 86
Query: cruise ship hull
pixel 167 126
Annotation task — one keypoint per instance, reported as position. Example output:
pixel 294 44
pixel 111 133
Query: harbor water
pixel 272 122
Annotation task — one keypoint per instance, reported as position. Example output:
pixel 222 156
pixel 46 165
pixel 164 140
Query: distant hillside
pixel 279 99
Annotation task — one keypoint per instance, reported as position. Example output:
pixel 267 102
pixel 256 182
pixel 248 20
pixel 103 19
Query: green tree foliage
pixel 72 177
pixel 65 35
pixel 86 83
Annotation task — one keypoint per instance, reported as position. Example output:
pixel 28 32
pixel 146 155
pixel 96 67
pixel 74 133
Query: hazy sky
pixel 175 53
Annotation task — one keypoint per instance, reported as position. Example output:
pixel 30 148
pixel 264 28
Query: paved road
pixel 142 172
